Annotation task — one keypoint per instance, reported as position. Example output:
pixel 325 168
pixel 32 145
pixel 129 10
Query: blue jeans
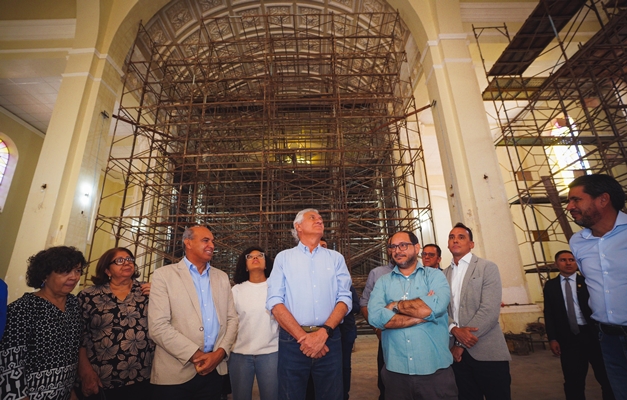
pixel 614 349
pixel 295 367
pixel 244 367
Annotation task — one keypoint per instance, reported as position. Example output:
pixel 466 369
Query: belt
pixel 613 330
pixel 310 329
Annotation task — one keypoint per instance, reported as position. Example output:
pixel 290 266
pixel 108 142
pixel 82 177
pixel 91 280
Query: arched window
pixel 4 159
pixel 8 162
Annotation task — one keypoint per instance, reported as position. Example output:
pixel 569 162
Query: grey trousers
pixel 438 386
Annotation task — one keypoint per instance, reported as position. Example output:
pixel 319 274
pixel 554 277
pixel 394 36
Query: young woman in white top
pixel 255 352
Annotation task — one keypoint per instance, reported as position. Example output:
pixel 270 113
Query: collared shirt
pixel 210 323
pixel 373 277
pixel 457 280
pixel 602 261
pixel 309 284
pixel 572 281
pixel 419 349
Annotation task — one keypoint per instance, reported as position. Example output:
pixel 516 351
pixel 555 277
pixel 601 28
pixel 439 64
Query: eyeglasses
pixel 400 246
pixel 122 260
pixel 255 256
pixel 423 254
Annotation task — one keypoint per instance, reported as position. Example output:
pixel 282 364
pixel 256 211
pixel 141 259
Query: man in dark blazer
pixel 576 346
pixel 480 354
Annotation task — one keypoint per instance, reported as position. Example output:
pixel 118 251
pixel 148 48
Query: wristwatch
pixel 395 308
pixel 328 329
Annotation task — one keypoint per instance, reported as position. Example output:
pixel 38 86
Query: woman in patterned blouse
pixel 39 350
pixel 116 355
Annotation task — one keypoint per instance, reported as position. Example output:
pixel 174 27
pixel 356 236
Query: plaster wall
pixel 28 142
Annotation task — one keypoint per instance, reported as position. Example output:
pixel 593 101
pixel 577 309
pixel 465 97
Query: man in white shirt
pixel 479 350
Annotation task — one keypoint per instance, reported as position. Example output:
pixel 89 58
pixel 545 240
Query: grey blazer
pixel 175 322
pixel 480 306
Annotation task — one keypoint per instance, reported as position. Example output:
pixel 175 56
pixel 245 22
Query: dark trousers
pixel 295 369
pixel 380 365
pixel 348 341
pixel 349 334
pixel 577 351
pixel 614 350
pixel 207 387
pixel 476 379
pixel 136 391
pixel 439 385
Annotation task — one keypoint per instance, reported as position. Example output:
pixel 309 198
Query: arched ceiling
pixel 355 25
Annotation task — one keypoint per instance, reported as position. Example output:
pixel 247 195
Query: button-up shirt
pixel 572 282
pixel 373 277
pixel 419 349
pixel 309 284
pixel 602 261
pixel 457 280
pixel 210 323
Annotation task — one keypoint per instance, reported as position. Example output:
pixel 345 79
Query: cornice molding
pixel 496 11
pixel 37 29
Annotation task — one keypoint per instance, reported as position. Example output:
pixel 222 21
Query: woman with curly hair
pixel 39 350
pixel 116 353
pixel 255 352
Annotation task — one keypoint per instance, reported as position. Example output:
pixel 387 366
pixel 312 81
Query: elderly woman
pixel 116 353
pixel 39 350
pixel 255 352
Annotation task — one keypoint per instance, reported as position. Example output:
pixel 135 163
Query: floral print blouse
pixel 116 335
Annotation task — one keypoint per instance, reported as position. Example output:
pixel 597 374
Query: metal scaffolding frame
pixel 561 122
pixel 255 117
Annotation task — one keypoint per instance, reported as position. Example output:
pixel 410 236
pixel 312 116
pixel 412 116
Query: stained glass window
pixel 4 158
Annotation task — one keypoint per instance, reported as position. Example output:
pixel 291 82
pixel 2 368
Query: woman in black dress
pixel 39 349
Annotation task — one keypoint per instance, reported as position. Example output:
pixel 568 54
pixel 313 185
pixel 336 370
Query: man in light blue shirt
pixel 410 305
pixel 594 202
pixel 309 294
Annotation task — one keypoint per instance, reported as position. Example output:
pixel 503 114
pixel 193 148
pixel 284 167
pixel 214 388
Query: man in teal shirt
pixel 410 305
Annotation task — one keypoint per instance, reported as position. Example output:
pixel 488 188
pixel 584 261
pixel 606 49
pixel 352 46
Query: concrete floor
pixel 537 376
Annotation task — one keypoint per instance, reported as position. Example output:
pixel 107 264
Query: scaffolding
pixel 254 117
pixel 561 121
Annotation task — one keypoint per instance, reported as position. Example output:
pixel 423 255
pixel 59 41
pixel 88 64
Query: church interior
pixel 124 121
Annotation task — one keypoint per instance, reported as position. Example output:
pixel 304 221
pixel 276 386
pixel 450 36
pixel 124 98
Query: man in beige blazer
pixel 192 319
pixel 480 354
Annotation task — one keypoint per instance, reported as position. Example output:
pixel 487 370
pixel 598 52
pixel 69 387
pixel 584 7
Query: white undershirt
pixel 573 286
pixel 457 278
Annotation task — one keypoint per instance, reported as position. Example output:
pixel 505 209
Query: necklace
pixel 405 286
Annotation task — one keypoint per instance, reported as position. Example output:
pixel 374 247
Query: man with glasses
pixel 192 319
pixel 478 345
pixel 431 256
pixel 309 294
pixel 409 306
